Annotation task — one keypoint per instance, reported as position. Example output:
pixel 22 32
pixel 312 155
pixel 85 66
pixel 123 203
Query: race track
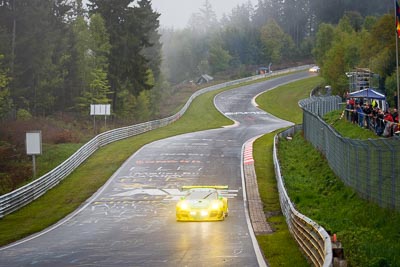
pixel 131 220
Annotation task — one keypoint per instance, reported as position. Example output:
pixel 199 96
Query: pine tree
pixel 5 100
pixel 35 32
pixel 93 47
pixel 132 30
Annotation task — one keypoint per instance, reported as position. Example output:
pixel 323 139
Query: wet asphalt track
pixel 131 220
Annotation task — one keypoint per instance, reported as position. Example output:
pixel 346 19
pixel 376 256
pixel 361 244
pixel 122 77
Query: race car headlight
pixel 183 205
pixel 216 206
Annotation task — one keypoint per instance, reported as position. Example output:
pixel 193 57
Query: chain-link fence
pixel 371 167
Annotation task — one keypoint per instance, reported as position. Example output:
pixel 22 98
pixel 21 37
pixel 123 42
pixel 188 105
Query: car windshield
pixel 202 194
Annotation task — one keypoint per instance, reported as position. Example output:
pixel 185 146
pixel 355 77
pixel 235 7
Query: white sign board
pixel 100 109
pixel 33 143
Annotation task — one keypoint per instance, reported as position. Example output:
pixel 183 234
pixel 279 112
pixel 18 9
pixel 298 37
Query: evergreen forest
pixel 63 55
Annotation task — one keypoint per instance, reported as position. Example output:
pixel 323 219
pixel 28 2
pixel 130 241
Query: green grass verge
pixel 281 102
pixel 53 155
pixel 279 247
pixel 369 234
pixel 346 128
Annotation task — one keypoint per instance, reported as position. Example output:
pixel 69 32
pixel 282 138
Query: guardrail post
pixel 338 253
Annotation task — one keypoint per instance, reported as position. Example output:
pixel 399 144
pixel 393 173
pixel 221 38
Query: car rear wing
pixel 218 187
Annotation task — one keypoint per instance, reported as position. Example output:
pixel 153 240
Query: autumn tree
pixel 323 42
pixel 277 44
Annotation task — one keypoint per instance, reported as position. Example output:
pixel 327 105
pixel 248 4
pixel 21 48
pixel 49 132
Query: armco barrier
pixel 22 196
pixel 313 240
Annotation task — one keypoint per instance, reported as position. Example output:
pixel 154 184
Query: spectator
pixel 354 116
pixel 360 115
pixel 374 103
pixel 351 103
pixel 368 114
pixel 388 119
pixel 380 124
pixel 345 95
pixel 395 115
pixel 388 116
pixel 374 117
pixel 349 109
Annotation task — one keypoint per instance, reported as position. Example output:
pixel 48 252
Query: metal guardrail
pixel 22 196
pixel 313 240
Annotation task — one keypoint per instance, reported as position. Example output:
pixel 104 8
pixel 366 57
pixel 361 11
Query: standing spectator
pixel 388 124
pixel 395 115
pixel 352 102
pixel 360 115
pixel 345 95
pixel 388 116
pixel 374 103
pixel 351 107
pixel 380 124
pixel 368 114
pixel 374 117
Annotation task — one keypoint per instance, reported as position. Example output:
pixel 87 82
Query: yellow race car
pixel 202 203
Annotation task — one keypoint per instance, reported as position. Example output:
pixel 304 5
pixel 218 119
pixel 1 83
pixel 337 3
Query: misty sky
pixel 176 13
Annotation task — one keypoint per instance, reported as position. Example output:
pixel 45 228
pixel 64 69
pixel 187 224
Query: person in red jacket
pixel 388 116
pixel 395 115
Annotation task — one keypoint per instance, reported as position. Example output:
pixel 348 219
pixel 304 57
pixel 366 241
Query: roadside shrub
pixel 14 168
pixel 64 136
pixel 23 114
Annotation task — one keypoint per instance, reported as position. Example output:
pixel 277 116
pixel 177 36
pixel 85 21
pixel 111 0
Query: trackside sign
pixel 33 143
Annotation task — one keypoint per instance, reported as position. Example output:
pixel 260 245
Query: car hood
pixel 199 203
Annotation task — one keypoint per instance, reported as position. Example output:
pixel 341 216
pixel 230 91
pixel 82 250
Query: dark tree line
pixel 59 56
pixel 300 18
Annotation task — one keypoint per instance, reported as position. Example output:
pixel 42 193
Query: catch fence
pixel 371 167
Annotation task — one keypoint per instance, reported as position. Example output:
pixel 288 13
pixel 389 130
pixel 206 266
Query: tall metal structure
pixel 360 78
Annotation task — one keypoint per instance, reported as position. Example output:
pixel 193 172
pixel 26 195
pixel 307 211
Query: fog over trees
pixel 62 56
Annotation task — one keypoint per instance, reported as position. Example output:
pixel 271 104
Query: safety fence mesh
pixel 371 167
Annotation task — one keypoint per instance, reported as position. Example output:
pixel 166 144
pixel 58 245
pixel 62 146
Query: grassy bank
pixel 346 128
pixel 279 248
pixel 368 233
pixel 283 101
